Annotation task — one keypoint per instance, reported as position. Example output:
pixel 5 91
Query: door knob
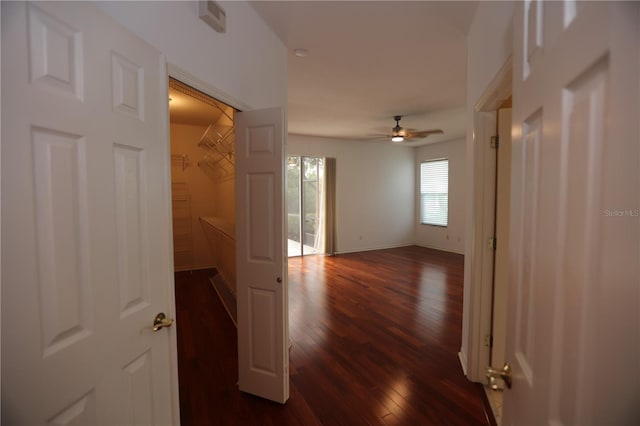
pixel 504 374
pixel 161 321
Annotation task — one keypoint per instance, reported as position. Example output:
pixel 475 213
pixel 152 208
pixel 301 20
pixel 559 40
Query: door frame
pixel 178 73
pixel 481 259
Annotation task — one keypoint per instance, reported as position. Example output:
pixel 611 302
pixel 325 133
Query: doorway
pixel 305 212
pixel 203 188
pixel 247 223
pixel 488 254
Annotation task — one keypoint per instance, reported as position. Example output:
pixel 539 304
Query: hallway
pixel 375 337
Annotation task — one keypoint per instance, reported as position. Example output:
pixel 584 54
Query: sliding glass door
pixel 293 207
pixel 304 204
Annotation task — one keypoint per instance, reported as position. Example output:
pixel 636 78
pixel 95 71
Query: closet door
pixel 86 262
pixel 263 324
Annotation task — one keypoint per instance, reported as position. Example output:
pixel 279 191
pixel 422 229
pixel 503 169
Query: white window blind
pixel 434 192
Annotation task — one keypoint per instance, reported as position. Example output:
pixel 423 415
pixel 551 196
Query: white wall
pixel 375 191
pixel 248 63
pixel 202 193
pixel 489 45
pixel 451 237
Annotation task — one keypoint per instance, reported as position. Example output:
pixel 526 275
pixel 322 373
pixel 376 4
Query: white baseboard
pixel 463 361
pixel 383 247
pixel 440 248
pixel 194 268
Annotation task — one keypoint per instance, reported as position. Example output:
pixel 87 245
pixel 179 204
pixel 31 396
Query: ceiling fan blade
pixel 378 137
pixel 423 133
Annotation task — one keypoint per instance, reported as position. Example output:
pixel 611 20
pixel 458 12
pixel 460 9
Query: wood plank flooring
pixel 375 340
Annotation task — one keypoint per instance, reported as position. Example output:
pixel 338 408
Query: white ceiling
pixel 371 60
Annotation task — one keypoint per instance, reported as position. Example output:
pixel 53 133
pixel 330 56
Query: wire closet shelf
pixel 219 160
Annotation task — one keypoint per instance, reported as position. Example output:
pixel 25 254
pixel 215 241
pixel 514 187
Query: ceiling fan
pixel 400 134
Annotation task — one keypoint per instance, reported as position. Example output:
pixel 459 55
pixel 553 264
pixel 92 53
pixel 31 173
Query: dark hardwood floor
pixel 375 339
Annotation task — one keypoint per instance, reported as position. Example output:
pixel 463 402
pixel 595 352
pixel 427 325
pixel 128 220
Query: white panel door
pixel 263 326
pixel 574 313
pixel 85 229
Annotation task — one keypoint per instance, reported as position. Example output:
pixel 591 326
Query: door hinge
pixel 488 341
pixel 492 243
pixel 495 142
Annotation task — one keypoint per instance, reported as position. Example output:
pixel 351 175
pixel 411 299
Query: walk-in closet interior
pixel 202 183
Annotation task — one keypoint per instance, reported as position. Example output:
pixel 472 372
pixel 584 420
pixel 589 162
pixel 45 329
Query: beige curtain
pixel 329 206
pixel 319 242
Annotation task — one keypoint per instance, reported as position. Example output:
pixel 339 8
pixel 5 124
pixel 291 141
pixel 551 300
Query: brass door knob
pixel 504 374
pixel 161 321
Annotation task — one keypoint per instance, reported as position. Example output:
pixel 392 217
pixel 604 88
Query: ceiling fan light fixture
pixel 400 134
pixel 397 133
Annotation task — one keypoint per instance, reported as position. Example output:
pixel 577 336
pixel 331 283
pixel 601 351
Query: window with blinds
pixel 434 192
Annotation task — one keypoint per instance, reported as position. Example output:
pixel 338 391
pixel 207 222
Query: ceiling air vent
pixel 214 15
